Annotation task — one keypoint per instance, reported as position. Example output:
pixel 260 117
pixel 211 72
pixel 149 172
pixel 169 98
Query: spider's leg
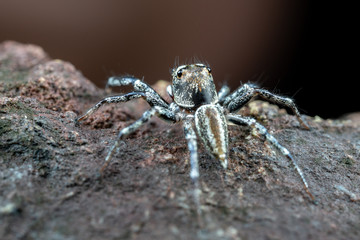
pixel 151 96
pixel 162 112
pixel 240 92
pixel 244 94
pixel 108 100
pixel 224 91
pixel 249 122
pixel 190 136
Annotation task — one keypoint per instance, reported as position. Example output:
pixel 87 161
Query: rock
pixel 20 57
pixel 50 187
pixel 27 71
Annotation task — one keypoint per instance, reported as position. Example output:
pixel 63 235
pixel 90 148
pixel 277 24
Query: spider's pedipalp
pixel 249 122
pixel 245 93
pixel 108 100
pixel 160 111
pixel 169 91
pixel 224 91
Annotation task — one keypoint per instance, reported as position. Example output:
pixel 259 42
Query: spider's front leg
pixel 251 123
pixel 108 100
pixel 142 90
pixel 151 96
pixel 160 111
pixel 245 93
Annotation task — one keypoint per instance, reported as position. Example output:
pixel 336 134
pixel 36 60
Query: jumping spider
pixel 203 111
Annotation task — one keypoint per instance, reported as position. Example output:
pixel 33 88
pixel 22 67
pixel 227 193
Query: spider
pixel 203 112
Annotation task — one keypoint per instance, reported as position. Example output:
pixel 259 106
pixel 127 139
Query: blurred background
pixel 300 48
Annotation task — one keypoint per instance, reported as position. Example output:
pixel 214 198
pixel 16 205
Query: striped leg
pixel 160 111
pixel 108 100
pixel 151 96
pixel 190 136
pixel 244 94
pixel 249 122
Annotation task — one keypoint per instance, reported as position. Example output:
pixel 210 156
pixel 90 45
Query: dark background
pixel 302 49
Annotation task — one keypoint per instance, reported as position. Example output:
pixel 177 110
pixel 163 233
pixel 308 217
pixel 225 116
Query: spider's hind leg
pixel 249 122
pixel 245 93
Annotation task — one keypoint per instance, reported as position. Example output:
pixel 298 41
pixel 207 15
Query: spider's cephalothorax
pixel 203 111
pixel 193 85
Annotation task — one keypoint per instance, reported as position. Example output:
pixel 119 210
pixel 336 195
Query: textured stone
pixel 50 188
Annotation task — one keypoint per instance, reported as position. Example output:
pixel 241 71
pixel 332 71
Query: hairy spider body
pixel 204 113
pixel 211 126
pixel 193 89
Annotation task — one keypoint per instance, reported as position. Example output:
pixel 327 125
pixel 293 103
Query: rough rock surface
pixel 50 188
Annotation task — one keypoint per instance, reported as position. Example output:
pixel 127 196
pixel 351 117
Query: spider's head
pixel 193 85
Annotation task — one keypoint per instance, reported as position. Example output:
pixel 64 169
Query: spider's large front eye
pixel 209 69
pixel 179 73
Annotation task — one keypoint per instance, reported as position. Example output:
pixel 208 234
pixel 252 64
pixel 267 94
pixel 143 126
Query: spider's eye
pixel 179 73
pixel 209 69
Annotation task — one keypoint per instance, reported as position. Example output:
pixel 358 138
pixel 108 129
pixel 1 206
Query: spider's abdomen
pixel 211 126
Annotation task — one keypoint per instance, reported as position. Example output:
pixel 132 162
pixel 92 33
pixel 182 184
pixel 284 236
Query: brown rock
pixel 50 189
